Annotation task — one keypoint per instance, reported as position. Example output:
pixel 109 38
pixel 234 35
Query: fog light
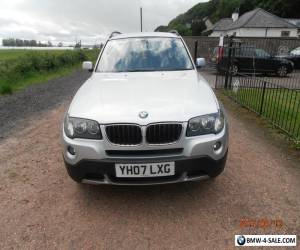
pixel 71 150
pixel 217 146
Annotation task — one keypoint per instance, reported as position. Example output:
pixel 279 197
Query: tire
pixel 234 70
pixel 282 71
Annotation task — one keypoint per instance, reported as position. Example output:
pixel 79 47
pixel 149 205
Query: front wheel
pixel 233 70
pixel 282 71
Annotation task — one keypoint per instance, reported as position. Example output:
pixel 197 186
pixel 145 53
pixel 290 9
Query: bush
pixel 31 63
pixel 6 89
pixel 38 61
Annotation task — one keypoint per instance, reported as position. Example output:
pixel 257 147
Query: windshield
pixel 296 52
pixel 144 54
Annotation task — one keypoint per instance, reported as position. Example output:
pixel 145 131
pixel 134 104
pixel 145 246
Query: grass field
pixel 21 68
pixel 280 106
pixel 11 54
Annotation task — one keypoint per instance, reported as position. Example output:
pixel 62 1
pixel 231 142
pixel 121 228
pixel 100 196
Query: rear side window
pixel 247 52
pixel 261 53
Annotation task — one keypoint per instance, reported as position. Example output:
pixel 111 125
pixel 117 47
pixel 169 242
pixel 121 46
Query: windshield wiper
pixel 150 70
pixel 177 69
pixel 139 70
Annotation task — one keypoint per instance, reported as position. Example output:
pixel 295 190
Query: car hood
pixel 165 96
pixel 283 57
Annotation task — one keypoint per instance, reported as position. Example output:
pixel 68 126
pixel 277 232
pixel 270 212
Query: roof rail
pixel 174 32
pixel 114 33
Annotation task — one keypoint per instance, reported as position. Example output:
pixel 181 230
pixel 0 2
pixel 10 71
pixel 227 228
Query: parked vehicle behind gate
pixel 251 60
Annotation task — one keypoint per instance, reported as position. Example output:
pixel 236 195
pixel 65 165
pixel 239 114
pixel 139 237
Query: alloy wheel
pixel 282 71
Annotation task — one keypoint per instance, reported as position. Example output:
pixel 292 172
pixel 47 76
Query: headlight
pixel 82 128
pixel 206 124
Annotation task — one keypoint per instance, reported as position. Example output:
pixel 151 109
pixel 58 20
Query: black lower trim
pixel 95 170
pixel 144 153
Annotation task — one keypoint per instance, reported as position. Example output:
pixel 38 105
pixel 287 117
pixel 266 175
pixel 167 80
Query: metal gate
pixel 264 81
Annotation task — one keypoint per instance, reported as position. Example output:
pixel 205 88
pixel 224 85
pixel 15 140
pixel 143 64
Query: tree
pixel 217 9
pixel 281 8
pixel 182 29
pixel 26 43
pixel 197 27
pixel 246 5
pixel 78 45
pixel 33 43
pixel 225 8
pixel 162 28
pixel 19 43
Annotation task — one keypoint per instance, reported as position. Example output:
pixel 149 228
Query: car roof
pixel 144 34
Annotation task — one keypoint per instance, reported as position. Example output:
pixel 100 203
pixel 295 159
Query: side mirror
pixel 87 66
pixel 200 62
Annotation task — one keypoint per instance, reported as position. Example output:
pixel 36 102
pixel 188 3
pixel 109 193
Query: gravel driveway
pixel 42 208
pixel 16 110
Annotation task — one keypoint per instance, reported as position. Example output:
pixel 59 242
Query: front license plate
pixel 145 169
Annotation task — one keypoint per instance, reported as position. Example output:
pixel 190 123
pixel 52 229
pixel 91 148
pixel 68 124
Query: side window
pixel 261 53
pixel 247 52
pixel 237 52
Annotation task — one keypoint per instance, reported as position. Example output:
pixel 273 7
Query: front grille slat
pixel 128 134
pixel 120 134
pixel 154 131
pixel 134 134
pixel 168 128
pixel 124 134
pixel 163 133
pixel 160 133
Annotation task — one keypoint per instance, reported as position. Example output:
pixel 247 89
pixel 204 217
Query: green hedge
pixel 13 71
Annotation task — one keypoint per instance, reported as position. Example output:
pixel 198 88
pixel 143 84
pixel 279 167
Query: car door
pixel 264 62
pixel 245 59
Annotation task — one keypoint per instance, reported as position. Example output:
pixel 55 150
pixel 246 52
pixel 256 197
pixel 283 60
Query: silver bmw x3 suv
pixel 145 116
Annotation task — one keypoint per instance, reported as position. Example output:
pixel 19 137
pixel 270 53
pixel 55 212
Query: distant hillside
pixel 193 21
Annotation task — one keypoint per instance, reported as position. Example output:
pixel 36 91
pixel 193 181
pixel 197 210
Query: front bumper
pixel 186 169
pixel 194 157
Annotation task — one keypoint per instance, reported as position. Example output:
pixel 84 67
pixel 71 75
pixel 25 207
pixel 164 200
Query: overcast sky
pixel 89 21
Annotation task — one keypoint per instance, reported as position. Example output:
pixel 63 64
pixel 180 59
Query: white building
pixel 256 23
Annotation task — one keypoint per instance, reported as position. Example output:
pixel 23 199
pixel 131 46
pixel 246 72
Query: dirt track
pixel 41 208
pixel 17 109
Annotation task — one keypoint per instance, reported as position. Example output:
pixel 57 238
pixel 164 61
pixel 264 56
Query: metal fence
pixel 273 46
pixel 263 78
pixel 204 46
